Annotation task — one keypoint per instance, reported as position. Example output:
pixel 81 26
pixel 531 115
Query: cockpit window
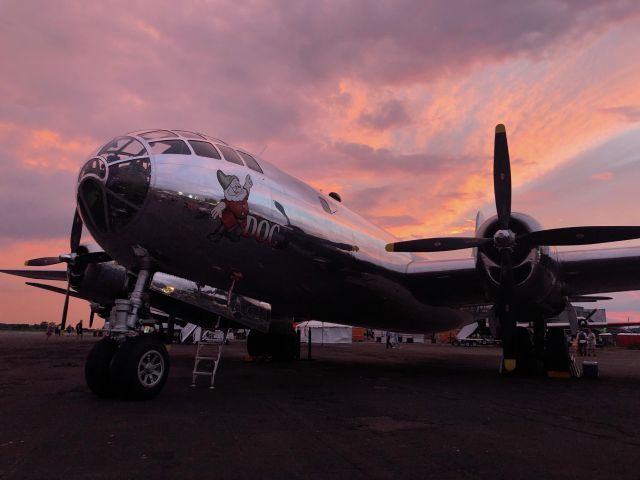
pixel 186 134
pixel 156 134
pixel 170 147
pixel 204 149
pixel 94 166
pixel 250 161
pixel 130 180
pixel 230 154
pixel 109 206
pixel 122 148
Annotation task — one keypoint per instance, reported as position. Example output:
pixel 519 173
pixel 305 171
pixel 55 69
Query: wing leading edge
pixel 587 272
pixel 454 283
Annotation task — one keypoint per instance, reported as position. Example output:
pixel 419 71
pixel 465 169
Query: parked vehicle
pixel 474 335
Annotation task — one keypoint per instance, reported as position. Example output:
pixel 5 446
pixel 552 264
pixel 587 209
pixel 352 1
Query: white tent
pixel 324 332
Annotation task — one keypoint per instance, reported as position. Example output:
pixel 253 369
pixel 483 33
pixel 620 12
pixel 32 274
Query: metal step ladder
pixel 208 353
pixel 209 349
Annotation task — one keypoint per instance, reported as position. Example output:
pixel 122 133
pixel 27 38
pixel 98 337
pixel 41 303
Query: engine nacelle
pixel 536 281
pixel 102 282
pixel 525 259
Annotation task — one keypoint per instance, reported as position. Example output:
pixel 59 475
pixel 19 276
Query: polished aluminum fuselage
pixel 306 260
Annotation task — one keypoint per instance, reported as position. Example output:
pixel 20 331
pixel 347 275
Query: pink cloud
pixel 392 104
pixel 603 176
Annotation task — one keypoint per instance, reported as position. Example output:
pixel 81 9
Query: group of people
pixel 586 343
pixel 54 329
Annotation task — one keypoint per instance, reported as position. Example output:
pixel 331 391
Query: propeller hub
pixel 504 239
pixel 69 258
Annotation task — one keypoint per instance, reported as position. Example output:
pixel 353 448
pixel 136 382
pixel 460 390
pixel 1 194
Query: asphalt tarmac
pixel 354 411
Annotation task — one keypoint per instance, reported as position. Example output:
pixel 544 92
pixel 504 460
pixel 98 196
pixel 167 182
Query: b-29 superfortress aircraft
pixel 196 229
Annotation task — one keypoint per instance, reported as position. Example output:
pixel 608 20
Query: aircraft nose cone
pixel 110 193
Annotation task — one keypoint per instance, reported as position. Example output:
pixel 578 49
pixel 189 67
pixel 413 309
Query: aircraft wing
pixel 454 283
pixel 39 274
pixel 585 272
pixel 600 271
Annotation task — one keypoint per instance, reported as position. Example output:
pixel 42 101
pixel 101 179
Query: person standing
pixel 582 343
pixel 591 343
pixel 389 344
pixel 79 329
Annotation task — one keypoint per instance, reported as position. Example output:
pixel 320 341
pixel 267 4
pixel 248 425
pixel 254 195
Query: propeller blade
pixel 506 274
pixel 63 323
pixel 504 311
pixel 591 314
pixel 42 262
pixel 579 235
pixel 502 177
pixel 573 318
pixel 76 232
pixel 442 244
pixel 52 288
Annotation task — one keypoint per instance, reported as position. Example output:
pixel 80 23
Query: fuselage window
pixel 122 148
pixel 156 134
pixel 186 134
pixel 250 161
pixel 204 149
pixel 230 154
pixel 170 147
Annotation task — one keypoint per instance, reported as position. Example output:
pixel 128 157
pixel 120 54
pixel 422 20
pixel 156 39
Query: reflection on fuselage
pixel 202 218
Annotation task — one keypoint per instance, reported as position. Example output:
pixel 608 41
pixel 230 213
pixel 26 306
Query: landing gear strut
pixel 129 363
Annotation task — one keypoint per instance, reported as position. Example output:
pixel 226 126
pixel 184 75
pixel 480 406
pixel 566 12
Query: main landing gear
pixel 545 352
pixel 129 363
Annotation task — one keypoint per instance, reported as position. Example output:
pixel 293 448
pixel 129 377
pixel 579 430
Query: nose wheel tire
pixel 96 369
pixel 141 367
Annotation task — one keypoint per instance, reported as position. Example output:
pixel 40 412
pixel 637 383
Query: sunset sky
pixel 391 103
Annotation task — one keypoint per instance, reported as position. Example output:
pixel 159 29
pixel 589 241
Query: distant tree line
pixel 25 327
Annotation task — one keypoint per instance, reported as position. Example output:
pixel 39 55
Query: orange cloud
pixel 602 176
pixel 47 149
pixel 20 303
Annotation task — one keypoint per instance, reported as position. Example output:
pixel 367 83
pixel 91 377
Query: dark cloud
pixel 391 113
pixel 382 160
pixel 36 204
pixel 254 71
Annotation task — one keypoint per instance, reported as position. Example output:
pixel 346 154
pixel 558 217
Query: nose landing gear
pixel 129 363
pixel 140 368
